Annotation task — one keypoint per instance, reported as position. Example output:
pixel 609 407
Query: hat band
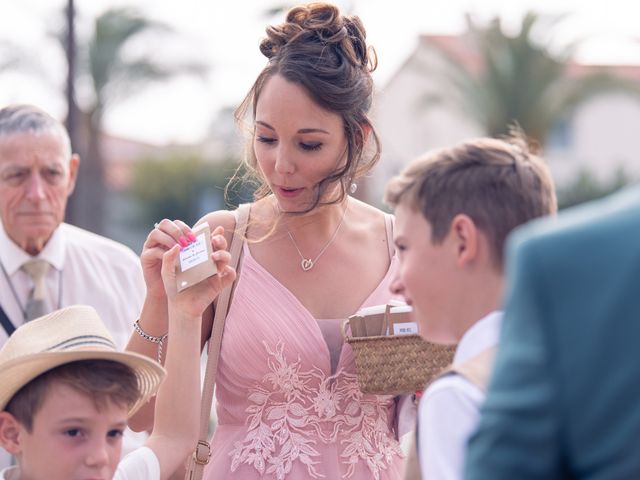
pixel 83 341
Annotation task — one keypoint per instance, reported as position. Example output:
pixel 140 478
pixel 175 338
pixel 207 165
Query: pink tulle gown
pixel 282 413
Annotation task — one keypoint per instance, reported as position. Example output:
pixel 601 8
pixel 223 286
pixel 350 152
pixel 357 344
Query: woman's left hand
pixel 195 299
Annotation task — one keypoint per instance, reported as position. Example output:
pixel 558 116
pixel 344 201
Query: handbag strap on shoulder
pixel 202 451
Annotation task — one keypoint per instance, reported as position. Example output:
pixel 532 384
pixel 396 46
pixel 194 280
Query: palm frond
pixel 115 72
pixel 521 80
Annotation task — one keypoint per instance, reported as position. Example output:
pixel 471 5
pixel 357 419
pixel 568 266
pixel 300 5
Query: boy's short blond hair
pixel 499 184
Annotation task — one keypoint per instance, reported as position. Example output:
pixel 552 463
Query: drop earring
pixel 353 188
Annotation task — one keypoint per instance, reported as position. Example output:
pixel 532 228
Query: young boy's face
pixel 71 439
pixel 425 277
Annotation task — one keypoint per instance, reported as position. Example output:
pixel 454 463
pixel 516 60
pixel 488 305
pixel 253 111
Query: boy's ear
pixel 464 234
pixel 9 433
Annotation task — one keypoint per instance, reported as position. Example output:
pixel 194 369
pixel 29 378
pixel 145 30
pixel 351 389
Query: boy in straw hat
pixel 66 393
pixel 454 209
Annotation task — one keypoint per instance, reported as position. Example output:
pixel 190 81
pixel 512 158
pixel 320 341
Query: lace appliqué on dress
pixel 291 410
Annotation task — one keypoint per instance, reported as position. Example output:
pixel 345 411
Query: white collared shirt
pixel 86 269
pixel 450 408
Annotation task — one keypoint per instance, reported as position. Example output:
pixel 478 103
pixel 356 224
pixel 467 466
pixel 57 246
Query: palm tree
pixel 520 81
pixel 69 41
pixel 114 75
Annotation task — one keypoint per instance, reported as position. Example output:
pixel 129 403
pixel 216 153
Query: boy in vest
pixel 66 392
pixel 454 209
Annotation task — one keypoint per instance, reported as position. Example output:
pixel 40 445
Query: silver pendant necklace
pixel 307 263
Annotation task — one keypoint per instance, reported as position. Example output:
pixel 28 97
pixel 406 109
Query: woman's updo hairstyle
pixel 325 53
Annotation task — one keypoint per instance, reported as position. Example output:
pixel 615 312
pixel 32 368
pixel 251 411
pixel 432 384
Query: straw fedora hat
pixel 64 336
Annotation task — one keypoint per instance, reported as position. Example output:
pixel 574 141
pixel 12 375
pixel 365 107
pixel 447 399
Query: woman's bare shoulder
pixel 224 218
pixel 367 214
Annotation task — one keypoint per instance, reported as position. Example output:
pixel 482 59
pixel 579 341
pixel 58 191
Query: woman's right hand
pixel 165 235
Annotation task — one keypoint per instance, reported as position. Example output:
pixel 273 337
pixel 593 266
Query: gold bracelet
pixel 151 338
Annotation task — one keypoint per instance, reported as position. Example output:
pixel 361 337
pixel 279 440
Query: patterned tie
pixel 36 303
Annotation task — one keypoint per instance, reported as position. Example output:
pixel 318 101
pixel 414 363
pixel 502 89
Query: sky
pixel 226 34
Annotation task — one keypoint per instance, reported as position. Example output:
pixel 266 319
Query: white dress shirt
pixel 450 408
pixel 86 269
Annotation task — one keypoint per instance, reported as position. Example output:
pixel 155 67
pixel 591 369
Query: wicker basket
pixel 398 364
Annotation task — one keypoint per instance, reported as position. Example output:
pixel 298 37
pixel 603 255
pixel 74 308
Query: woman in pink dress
pixel 288 402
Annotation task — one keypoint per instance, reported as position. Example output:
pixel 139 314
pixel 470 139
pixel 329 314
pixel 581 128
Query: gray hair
pixel 29 119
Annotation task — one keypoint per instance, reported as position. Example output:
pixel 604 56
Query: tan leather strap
pixel 477 369
pixel 202 452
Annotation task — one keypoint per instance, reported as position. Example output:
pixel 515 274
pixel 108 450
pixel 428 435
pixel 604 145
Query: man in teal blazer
pixel 564 400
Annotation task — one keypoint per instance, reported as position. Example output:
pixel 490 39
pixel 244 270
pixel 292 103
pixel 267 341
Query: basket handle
pixel 387 322
pixel 343 328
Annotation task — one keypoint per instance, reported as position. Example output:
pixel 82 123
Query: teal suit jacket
pixel 564 400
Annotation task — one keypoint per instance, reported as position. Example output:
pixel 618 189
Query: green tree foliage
pixel 115 73
pixel 587 187
pixel 519 80
pixel 184 187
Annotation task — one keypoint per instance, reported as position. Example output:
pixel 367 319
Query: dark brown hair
pixel 499 184
pixel 100 380
pixel 325 53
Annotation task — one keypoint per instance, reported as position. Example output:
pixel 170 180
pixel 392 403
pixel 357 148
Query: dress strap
pixel 388 225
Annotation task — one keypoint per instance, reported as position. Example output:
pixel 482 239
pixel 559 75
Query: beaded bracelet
pixel 150 338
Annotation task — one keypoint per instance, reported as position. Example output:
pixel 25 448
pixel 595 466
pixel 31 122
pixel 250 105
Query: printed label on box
pixel 194 254
pixel 405 328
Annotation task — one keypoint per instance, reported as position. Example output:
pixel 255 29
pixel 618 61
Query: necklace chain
pixel 307 263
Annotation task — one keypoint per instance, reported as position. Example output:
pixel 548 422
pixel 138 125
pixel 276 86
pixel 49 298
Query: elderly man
pixel 47 264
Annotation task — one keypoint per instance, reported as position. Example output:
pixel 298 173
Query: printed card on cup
pixel 402 322
pixel 194 263
pixel 393 318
